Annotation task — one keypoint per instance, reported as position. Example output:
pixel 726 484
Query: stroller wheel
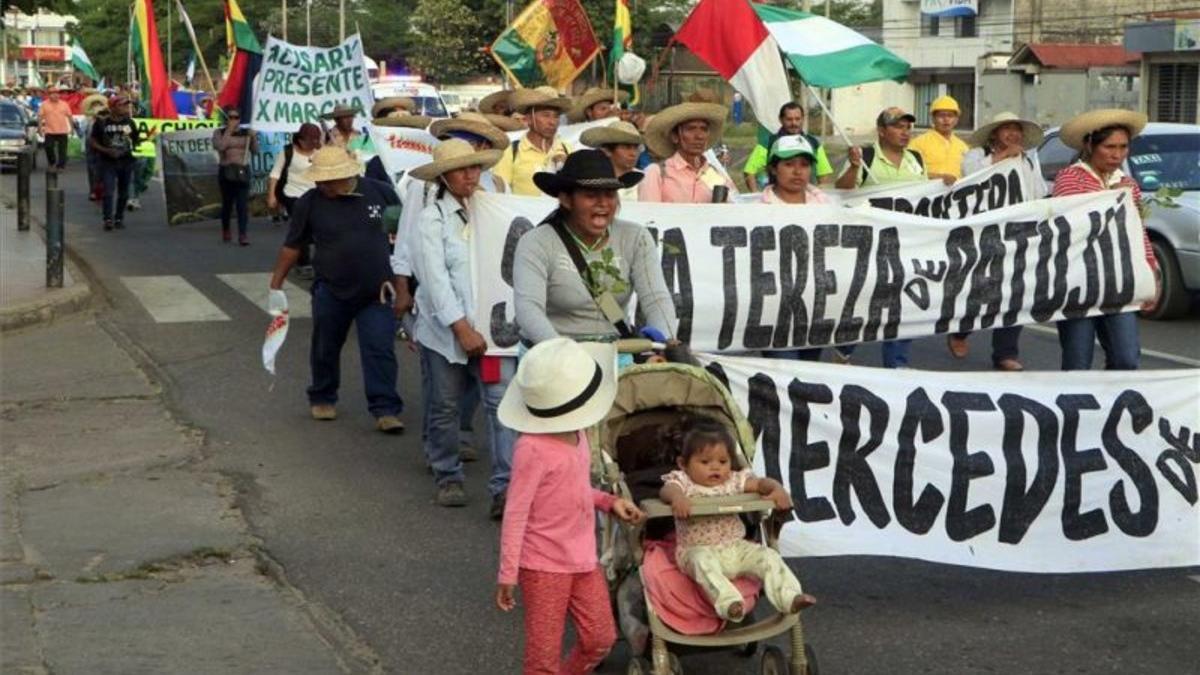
pixel 747 650
pixel 676 666
pixel 774 662
pixel 638 666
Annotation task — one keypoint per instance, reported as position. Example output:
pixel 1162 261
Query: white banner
pixel 1029 472
pixel 1003 184
pixel 758 276
pixel 402 149
pixel 300 84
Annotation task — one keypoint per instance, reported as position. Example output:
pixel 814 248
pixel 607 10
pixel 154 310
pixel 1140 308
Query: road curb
pixel 56 303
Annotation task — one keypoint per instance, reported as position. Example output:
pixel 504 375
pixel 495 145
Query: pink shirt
pixel 812 195
pixel 550 513
pixel 55 117
pixel 677 181
pixel 717 530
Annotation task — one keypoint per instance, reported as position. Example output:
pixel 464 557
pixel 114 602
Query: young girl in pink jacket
pixel 547 543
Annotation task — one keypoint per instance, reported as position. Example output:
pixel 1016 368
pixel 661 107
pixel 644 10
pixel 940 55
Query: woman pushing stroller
pixel 713 550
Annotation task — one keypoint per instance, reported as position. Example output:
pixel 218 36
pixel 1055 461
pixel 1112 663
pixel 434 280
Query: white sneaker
pixel 133 204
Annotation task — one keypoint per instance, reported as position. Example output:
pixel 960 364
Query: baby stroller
pixel 628 459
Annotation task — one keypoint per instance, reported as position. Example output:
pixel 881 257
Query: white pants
pixel 713 566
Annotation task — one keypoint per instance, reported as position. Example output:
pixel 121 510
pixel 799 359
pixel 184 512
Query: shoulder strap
pixel 516 147
pixel 605 301
pixel 868 155
pixel 917 156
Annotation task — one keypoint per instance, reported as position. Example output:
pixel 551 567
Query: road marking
pixel 171 299
pixel 1174 358
pixel 1195 578
pixel 253 285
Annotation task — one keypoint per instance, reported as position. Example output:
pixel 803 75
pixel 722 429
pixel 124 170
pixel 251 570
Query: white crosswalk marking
pixel 253 285
pixel 171 299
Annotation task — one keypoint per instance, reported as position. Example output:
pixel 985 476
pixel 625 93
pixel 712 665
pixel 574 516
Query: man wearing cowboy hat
pixel 540 148
pixel 452 350
pixel 56 123
pixel 596 104
pixel 623 144
pixel 1005 137
pixel 343 218
pixel 939 147
pixel 343 134
pixel 682 134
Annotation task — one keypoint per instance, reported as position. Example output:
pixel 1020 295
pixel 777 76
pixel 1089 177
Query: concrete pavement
pixel 118 554
pixel 24 298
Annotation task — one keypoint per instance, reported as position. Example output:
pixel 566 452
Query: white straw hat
pixel 1077 129
pixel 983 135
pixel 452 154
pixel 332 163
pixel 560 386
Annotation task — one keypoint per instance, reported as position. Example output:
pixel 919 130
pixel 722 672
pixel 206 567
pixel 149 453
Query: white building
pixel 43 47
pixel 944 52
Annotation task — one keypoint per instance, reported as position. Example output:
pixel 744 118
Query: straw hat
pixel 618 132
pixel 340 111
pixel 560 386
pixel 471 123
pixel 505 123
pixel 495 103
pixel 93 104
pixel 983 135
pixel 385 105
pixel 587 169
pixel 455 154
pixel 398 117
pixel 659 128
pixel 522 100
pixel 1077 128
pixel 578 112
pixel 332 163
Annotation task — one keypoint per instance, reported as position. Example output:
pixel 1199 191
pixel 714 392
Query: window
pixel 925 95
pixel 929 26
pixel 964 93
pixel 964 26
pixel 1176 88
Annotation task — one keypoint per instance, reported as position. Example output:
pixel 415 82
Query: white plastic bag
pixel 277 307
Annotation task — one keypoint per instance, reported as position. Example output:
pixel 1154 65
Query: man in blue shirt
pixel 343 218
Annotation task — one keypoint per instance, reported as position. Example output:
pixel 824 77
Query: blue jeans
pixel 894 352
pixel 116 177
pixel 449 384
pixel 1005 343
pixel 466 411
pixel 1118 335
pixel 376 326
pixel 234 196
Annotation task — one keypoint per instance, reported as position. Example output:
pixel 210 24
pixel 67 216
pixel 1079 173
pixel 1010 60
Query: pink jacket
pixel 550 513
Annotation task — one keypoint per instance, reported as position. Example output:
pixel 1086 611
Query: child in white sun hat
pixel 547 543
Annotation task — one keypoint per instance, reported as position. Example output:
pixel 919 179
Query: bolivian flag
pixel 156 86
pixel 552 39
pixel 238 90
pixel 622 41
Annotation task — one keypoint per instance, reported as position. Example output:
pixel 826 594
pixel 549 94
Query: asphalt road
pixel 348 513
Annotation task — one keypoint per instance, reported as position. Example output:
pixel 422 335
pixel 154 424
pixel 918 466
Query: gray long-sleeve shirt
pixel 552 299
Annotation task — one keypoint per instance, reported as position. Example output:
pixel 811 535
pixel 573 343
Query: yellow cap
pixel 944 103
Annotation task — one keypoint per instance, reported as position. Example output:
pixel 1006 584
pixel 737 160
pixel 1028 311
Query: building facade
pixel 1170 67
pixel 41 54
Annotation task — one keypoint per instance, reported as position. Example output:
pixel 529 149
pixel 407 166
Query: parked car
pixel 18 133
pixel 429 101
pixel 1163 155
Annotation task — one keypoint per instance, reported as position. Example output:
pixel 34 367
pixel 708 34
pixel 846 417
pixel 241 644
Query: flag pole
pixel 341 20
pixel 283 13
pixel 183 16
pixel 836 127
pixel 308 23
pixel 170 61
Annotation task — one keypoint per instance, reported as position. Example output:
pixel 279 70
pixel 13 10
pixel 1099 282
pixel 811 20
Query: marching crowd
pixel 384 257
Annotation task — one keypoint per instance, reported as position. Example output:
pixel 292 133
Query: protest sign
pixel 1029 473
pixel 300 84
pixel 189 172
pixel 149 130
pixel 765 276
pixel 999 185
pixel 402 149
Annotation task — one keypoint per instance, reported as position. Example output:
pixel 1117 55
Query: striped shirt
pixel 1080 178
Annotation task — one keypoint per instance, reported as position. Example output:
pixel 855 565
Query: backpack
pixel 868 156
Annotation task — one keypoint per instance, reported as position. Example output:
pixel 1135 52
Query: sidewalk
pixel 24 298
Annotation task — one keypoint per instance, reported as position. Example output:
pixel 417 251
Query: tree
pixel 446 41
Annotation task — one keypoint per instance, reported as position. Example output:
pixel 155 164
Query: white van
pixel 429 101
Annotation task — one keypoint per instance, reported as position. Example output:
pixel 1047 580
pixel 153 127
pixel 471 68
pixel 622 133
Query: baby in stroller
pixel 713 549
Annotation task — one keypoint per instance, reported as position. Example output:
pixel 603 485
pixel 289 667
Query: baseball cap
pixel 787 147
pixel 890 116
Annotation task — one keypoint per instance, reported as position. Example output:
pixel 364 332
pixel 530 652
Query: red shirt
pixel 1079 178
pixel 550 508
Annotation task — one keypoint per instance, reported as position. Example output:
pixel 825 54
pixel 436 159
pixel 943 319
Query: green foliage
pixel 445 39
pixel 606 276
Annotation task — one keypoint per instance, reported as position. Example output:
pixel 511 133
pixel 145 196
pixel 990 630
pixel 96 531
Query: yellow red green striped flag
pixel 549 39
pixel 622 42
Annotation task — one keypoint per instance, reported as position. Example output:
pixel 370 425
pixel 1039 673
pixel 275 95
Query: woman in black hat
pixel 575 274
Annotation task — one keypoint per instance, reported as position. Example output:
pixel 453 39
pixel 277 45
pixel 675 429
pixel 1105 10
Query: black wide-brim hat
pixel 588 170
